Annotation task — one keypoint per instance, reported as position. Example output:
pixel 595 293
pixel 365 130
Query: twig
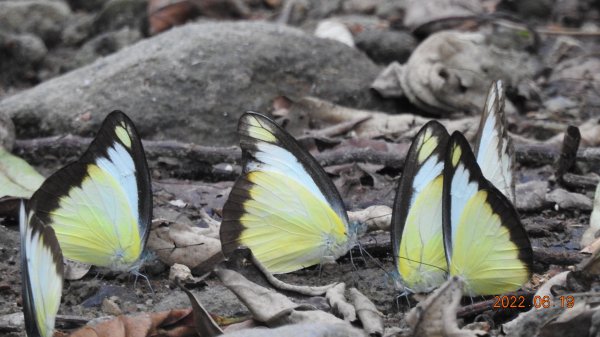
pixel 568 152
pixel 481 307
pixel 192 161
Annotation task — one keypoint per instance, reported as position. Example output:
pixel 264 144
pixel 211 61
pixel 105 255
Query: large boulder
pixel 193 82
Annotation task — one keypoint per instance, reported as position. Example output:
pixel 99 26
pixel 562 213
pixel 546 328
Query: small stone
pixel 385 46
pixel 179 272
pixel 569 200
pixel 531 195
pixel 110 307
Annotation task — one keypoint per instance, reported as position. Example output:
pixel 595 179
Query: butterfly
pixel 42 275
pixel 493 147
pixel 416 227
pixel 283 207
pixel 485 242
pixel 100 206
pixel 423 219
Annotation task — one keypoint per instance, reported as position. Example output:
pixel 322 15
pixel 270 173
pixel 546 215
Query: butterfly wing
pixel 100 207
pixel 283 207
pixel 484 239
pixel 493 146
pixel 417 215
pixel 42 275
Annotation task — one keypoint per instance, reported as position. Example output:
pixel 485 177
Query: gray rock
pixel 193 82
pixel 531 196
pixel 385 46
pixel 568 200
pixel 45 19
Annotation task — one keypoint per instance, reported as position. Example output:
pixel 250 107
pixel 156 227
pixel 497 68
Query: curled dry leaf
pixel 377 217
pixel 370 317
pixel 270 307
pixel 304 290
pixel 451 71
pixel 436 315
pixel 262 302
pixel 184 244
pixel 173 323
pixel 339 305
pixel 75 270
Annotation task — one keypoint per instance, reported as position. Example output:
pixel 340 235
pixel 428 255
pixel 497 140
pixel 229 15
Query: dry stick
pixel 568 152
pixel 483 306
pixel 197 160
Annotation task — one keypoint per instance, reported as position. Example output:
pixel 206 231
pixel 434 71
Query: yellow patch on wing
pixel 123 135
pixel 483 253
pixel 421 259
pixel 94 223
pixel 256 130
pixel 286 226
pixel 430 143
pixel 456 152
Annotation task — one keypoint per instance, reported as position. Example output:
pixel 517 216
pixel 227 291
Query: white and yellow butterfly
pixel 493 147
pixel 100 206
pixel 484 240
pixel 42 275
pixel 416 227
pixel 283 207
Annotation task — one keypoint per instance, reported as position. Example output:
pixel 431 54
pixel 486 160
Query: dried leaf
pixel 270 307
pixel 17 178
pixel 173 323
pixel 183 244
pixel 370 317
pixel 164 14
pixel 304 290
pixel 337 301
pixel 75 270
pixel 377 217
pixel 262 303
pixel 436 315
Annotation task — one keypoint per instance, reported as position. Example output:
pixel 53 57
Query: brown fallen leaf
pixel 164 14
pixel 173 323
